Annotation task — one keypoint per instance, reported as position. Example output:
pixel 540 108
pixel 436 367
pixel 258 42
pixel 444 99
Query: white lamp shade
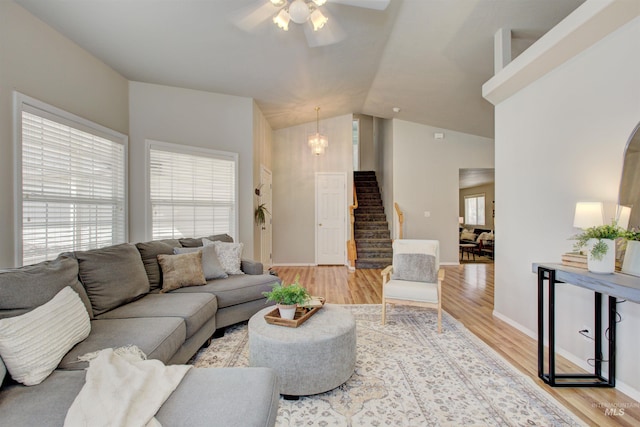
pixel 588 214
pixel 623 215
pixel 282 19
pixel 318 20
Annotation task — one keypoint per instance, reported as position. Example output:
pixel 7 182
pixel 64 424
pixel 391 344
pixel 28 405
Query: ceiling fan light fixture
pixel 317 19
pixel 299 11
pixel 278 3
pixel 282 19
pixel 319 2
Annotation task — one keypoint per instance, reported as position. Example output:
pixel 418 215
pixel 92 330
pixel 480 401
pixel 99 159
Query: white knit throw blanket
pixel 123 389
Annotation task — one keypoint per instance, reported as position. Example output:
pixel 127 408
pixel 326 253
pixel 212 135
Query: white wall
pixel 426 178
pixel 195 118
pixel 558 141
pixel 385 175
pixel 294 169
pixel 38 61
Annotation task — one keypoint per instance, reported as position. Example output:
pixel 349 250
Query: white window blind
pixel 73 186
pixel 474 208
pixel 192 191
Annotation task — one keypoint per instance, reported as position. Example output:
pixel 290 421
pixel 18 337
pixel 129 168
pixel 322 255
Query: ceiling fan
pixel 319 25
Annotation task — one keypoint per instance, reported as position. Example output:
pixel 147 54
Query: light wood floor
pixel 468 297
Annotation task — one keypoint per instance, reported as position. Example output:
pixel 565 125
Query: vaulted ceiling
pixel 427 57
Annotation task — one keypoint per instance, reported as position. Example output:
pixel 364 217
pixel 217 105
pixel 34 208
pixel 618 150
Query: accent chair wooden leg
pixel 384 311
pixel 439 321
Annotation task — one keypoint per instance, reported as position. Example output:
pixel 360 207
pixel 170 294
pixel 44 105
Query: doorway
pixel 477 215
pixel 331 208
pixel 266 230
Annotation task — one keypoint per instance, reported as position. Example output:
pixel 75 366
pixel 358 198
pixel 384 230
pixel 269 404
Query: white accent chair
pixel 415 278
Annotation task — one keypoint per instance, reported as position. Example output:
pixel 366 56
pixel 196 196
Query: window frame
pixel 466 215
pixel 22 102
pixel 189 150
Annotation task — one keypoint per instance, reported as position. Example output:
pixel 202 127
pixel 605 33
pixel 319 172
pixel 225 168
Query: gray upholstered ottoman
pixel 315 357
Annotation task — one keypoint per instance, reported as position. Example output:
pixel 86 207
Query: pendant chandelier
pixel 317 141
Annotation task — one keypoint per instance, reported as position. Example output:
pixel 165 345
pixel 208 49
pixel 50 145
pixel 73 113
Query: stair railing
pixel 400 218
pixel 352 253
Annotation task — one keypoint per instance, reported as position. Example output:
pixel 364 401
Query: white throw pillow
pixel 229 255
pixel 33 344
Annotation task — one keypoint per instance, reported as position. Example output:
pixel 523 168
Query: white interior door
pixel 331 207
pixel 266 233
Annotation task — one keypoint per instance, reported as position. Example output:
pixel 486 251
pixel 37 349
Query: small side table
pixel 469 248
pixel 315 357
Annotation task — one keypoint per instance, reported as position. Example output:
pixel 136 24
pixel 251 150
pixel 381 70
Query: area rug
pixel 409 375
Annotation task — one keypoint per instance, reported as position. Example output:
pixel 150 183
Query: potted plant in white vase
pixel 601 247
pixel 287 298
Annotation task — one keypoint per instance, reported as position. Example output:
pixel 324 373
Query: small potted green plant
pixel 288 297
pixel 260 214
pixel 601 249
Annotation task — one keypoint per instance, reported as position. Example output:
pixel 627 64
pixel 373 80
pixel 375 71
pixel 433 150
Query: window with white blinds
pixel 73 184
pixel 474 207
pixel 192 191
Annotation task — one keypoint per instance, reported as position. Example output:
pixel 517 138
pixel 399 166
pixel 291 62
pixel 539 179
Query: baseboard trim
pixel 293 264
pixel 620 385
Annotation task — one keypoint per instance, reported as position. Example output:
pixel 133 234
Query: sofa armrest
pixel 251 267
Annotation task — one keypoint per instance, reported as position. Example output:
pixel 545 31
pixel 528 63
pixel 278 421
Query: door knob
pixel 320 225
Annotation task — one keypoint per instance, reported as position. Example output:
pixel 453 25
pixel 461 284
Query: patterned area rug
pixel 408 375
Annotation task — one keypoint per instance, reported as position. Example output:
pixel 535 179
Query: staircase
pixel 371 229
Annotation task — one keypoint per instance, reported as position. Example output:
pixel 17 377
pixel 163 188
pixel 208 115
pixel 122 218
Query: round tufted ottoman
pixel 315 357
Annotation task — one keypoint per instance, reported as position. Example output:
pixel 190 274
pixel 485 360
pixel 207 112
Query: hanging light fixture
pixel 299 11
pixel 317 141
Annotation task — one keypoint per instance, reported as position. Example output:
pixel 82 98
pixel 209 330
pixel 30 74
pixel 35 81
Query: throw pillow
pixel 112 276
pixel 229 254
pixel 210 263
pixel 149 252
pixel 3 371
pixel 465 235
pixel 181 270
pixel 415 268
pixel 33 344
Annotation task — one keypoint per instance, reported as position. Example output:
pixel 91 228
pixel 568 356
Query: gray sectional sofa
pixel 121 288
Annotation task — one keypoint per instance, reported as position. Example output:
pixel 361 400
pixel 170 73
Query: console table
pixel 614 285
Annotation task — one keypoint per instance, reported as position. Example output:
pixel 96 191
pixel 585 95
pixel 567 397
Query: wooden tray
pixel 301 316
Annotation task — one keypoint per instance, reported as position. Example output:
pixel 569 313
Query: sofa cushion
pixel 210 263
pixel 236 289
pixel 25 288
pixel 33 343
pixel 197 242
pixel 45 405
pixel 194 309
pixel 112 276
pixel 223 397
pixel 158 337
pixel 149 252
pixel 181 270
pixel 229 254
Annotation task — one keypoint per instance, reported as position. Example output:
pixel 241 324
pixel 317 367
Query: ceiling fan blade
pixel 331 33
pixel 249 17
pixel 368 4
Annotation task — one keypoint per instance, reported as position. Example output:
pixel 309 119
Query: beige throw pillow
pixel 33 344
pixel 181 270
pixel 229 254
